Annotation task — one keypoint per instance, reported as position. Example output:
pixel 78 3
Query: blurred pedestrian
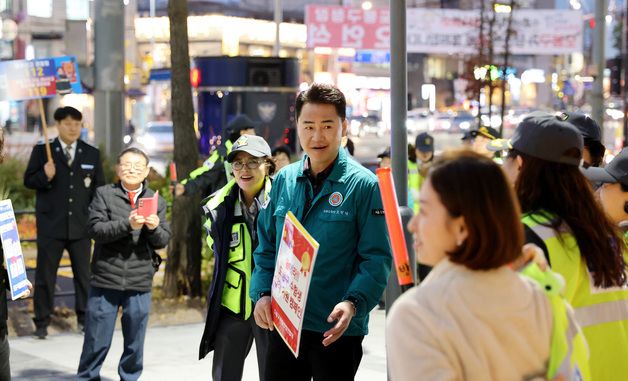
pixel 580 242
pixel 65 187
pixel 474 318
pixel 384 158
pixel 338 202
pixel 424 149
pixel 214 173
pixel 593 152
pixel 232 212
pixel 281 156
pixel 123 266
pixel 481 138
pixel 5 367
pixel 613 194
pixel 467 139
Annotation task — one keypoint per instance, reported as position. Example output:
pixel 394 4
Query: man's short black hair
pixel 281 149
pixel 67 111
pixel 134 150
pixel 322 93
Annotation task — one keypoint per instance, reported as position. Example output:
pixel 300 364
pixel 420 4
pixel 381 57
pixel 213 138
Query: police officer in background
pixel 593 152
pixel 214 173
pixel 65 186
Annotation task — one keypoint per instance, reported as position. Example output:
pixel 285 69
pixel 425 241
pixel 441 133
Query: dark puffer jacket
pixel 123 257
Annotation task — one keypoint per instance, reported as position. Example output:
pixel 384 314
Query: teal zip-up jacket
pixel 347 220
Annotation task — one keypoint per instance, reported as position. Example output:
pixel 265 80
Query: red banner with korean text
pixel 347 27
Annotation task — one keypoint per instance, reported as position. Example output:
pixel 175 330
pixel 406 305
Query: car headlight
pixel 464 125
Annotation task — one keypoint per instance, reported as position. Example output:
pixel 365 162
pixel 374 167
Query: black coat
pixel 123 258
pixel 4 286
pixel 62 204
pixel 220 231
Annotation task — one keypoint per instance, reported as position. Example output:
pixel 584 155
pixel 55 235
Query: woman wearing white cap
pixel 231 223
pixel 580 242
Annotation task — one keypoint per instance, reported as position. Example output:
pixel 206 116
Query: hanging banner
pixel 39 78
pixel 291 281
pixel 345 27
pixel 13 258
pixel 534 31
pixel 445 31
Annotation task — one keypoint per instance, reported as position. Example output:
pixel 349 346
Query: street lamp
pixel 367 5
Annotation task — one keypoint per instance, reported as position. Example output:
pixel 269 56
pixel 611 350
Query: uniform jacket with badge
pixel 62 203
pixel 123 257
pixel 221 218
pixel 346 218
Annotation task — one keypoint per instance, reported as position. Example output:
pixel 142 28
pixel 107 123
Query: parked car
pixel 156 139
pixel 366 125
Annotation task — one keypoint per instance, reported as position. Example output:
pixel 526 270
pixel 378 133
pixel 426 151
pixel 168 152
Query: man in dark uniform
pixel 65 186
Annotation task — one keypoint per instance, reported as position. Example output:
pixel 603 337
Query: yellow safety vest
pixel 601 312
pixel 569 355
pixel 235 293
pixel 414 184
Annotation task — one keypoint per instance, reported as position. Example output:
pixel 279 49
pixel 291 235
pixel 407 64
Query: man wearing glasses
pixel 65 186
pixel 123 266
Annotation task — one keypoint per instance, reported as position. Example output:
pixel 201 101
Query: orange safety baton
pixel 395 230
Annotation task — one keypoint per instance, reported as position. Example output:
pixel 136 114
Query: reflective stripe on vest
pixel 569 356
pixel 209 164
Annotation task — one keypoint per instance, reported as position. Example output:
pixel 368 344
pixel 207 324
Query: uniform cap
pixel 424 142
pixel 544 136
pixel 615 172
pixel 251 144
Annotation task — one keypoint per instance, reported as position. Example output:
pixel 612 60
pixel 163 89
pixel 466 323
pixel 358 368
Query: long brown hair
pixel 562 190
pixel 473 187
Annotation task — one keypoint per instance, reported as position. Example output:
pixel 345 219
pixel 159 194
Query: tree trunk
pixel 480 82
pixel 183 275
pixel 491 57
pixel 506 58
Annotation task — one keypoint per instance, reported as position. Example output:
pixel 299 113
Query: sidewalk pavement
pixel 170 353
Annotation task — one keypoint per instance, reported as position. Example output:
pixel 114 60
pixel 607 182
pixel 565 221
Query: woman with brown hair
pixel 580 242
pixel 472 318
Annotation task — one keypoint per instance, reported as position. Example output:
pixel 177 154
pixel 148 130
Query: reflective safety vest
pixel 235 294
pixel 601 312
pixel 414 184
pixel 569 355
pixel 210 162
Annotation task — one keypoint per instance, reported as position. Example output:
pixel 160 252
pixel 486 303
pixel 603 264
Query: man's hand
pixel 136 220
pixel 50 170
pixel 262 314
pixel 152 222
pixel 343 312
pixel 179 189
pixel 30 289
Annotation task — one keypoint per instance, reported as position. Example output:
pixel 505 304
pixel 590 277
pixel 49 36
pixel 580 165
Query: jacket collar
pixel 339 171
pixel 57 149
pixel 120 192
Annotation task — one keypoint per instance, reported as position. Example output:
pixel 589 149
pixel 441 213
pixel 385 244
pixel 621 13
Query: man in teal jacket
pixel 338 201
